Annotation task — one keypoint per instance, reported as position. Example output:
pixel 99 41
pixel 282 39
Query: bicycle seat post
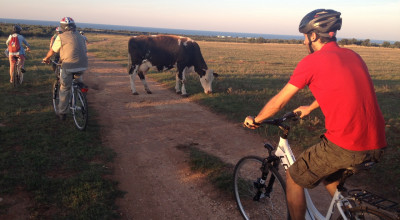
pixel 346 174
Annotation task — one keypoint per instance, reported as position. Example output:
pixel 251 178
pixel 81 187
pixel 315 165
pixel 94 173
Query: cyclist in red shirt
pixel 340 82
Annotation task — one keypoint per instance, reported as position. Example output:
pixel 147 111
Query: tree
pixel 344 42
pixel 386 44
pixel 366 42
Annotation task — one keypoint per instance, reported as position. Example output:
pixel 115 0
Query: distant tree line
pixel 48 31
pixel 367 43
pixel 28 30
pixel 279 41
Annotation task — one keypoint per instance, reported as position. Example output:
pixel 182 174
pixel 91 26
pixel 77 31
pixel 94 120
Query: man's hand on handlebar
pixel 302 111
pixel 250 123
pixel 46 60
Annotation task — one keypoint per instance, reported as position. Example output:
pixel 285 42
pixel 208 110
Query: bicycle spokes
pixel 259 193
pixel 79 109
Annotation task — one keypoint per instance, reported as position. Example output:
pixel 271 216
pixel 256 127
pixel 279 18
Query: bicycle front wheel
pixel 80 110
pixel 56 95
pixel 365 213
pixel 259 191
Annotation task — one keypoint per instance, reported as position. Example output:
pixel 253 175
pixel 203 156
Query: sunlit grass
pixel 250 74
pixel 51 162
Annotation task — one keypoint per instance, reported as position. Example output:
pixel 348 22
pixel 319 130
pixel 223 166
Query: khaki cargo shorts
pixel 327 161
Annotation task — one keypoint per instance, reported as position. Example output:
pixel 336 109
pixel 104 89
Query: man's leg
pixel 295 198
pixel 12 61
pixel 331 187
pixel 65 88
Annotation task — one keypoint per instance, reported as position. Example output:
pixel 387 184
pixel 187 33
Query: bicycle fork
pixel 260 183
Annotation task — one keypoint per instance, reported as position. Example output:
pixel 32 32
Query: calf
pixel 165 52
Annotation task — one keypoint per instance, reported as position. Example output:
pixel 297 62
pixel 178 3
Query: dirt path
pixel 145 131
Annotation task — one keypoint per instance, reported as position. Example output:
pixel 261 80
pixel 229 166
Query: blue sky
pixel 362 19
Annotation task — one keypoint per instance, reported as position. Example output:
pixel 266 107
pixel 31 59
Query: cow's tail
pixel 130 68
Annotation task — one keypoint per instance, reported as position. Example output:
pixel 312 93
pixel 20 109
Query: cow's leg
pixel 144 67
pixel 183 82
pixel 143 79
pixel 132 74
pixel 177 84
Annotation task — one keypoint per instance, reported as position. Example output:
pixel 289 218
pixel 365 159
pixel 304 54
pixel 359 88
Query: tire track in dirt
pixel 144 131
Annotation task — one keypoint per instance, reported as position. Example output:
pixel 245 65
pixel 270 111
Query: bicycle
pixel 77 99
pixel 17 75
pixel 260 191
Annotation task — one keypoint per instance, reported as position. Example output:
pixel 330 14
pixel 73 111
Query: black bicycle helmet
pixel 17 29
pixel 324 22
pixel 67 24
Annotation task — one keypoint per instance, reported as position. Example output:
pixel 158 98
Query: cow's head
pixel 207 79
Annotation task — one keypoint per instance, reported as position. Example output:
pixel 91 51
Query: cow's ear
pixel 215 74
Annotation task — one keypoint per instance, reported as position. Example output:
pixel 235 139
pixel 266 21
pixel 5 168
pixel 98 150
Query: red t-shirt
pixel 340 82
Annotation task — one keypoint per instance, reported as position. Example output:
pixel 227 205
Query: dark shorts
pixel 326 161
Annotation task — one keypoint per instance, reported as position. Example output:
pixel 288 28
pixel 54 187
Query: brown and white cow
pixel 166 52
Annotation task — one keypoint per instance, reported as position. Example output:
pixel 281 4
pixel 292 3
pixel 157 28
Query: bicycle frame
pixel 73 86
pixel 284 152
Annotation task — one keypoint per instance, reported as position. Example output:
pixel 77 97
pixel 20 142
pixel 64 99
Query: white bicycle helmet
pixel 67 24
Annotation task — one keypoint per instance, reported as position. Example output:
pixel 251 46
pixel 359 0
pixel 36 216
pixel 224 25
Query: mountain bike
pixel 260 191
pixel 77 100
pixel 18 75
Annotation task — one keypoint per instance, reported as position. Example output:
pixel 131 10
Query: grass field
pixel 49 169
pixel 250 74
pixel 63 172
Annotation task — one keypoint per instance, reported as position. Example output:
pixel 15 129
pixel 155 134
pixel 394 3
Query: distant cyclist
pixel 83 35
pixel 339 80
pixel 72 48
pixel 53 38
pixel 15 49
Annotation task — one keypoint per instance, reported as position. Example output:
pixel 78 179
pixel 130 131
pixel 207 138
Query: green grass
pixel 250 74
pixel 62 171
pixel 219 173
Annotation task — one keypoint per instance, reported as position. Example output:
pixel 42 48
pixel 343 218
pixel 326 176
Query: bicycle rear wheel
pixel 56 95
pixel 365 213
pixel 15 75
pixel 259 190
pixel 80 109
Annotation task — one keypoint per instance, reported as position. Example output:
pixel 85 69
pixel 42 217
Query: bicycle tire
pixel 365 213
pixel 56 95
pixel 253 198
pixel 20 77
pixel 15 75
pixel 80 110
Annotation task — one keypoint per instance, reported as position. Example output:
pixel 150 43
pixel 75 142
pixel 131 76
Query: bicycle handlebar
pixel 285 117
pixel 58 64
pixel 52 61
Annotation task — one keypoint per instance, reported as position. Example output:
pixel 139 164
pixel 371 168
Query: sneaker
pixel 23 70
